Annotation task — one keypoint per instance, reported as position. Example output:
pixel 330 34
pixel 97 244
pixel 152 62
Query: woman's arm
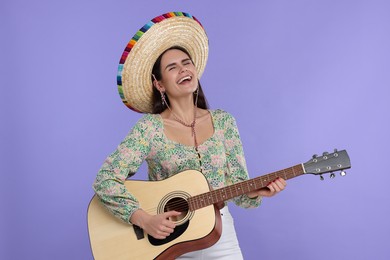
pixel 122 163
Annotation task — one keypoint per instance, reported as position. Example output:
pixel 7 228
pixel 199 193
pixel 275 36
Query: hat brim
pixel 165 31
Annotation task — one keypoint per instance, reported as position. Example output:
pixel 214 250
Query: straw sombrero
pixel 135 66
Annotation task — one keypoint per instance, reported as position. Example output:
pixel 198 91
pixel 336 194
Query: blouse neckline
pixel 161 120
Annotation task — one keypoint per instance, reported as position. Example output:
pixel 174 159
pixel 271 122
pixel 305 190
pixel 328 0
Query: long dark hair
pixel 158 105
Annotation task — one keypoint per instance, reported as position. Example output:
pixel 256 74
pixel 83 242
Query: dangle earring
pixel 196 93
pixel 162 93
pixel 163 100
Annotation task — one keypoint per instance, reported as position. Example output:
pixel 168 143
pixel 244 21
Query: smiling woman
pixel 178 134
pixel 158 105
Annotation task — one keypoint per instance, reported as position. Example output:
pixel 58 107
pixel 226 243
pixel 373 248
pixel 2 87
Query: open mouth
pixel 184 79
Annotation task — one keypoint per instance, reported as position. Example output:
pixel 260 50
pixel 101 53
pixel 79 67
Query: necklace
pixel 192 125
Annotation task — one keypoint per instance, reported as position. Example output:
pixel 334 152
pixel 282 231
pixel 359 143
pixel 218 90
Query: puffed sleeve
pixel 121 164
pixel 236 164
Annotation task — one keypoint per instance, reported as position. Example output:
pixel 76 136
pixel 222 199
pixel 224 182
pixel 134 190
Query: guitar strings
pixel 185 205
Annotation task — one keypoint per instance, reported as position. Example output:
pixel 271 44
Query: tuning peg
pixel 315 156
pixel 325 153
pixel 332 175
pixel 321 177
pixel 335 150
pixel 343 173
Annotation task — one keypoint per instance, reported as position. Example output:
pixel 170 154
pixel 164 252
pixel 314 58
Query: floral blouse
pixel 221 161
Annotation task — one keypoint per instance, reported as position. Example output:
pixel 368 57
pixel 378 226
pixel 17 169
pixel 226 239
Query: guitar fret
pixel 194 203
pixel 231 193
pixel 225 196
pixel 238 190
pixel 201 201
pixel 252 185
pixel 243 186
pixel 248 186
pixel 218 194
pixel 213 197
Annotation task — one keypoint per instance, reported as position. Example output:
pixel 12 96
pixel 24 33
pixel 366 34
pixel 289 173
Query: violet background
pixel 301 77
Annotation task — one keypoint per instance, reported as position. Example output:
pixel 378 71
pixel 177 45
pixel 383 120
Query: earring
pixel 196 93
pixel 163 100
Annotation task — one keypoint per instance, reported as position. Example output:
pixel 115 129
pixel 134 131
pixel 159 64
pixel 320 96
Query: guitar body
pixel 111 238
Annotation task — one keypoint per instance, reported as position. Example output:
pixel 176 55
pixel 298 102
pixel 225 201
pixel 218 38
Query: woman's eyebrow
pixel 170 65
pixel 174 63
pixel 185 60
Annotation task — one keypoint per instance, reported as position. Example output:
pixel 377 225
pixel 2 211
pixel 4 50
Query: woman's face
pixel 178 74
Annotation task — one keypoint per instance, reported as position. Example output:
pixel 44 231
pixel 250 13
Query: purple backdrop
pixel 301 77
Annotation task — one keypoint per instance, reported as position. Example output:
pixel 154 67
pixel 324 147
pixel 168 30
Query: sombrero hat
pixel 135 67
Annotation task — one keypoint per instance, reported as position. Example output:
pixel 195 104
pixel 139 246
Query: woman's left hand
pixel 272 188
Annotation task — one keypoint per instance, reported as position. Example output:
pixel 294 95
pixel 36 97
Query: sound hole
pixel 176 201
pixel 177 204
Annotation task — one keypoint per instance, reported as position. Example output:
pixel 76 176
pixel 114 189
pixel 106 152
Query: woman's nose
pixel 183 69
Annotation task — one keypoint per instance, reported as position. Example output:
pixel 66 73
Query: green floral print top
pixel 222 161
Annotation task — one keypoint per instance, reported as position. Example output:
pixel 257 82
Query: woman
pixel 177 133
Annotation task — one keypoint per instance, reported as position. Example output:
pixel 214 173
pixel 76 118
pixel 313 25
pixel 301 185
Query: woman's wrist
pixel 254 197
pixel 137 217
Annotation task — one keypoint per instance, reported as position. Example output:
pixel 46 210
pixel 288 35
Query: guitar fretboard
pixel 226 193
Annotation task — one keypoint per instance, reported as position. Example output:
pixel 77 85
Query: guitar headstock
pixel 328 163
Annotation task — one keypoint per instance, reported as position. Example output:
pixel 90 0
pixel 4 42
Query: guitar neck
pixel 226 193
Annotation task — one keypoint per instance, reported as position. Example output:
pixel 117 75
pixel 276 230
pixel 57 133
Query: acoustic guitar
pixel 199 225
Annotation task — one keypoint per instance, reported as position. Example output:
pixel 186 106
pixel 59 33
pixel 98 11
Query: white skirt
pixel 226 248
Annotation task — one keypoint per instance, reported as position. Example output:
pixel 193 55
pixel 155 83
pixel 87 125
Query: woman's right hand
pixel 158 226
